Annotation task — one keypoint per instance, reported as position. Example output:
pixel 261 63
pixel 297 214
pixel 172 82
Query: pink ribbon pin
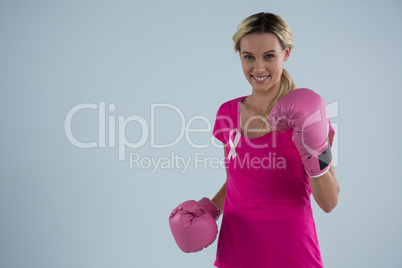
pixel 233 143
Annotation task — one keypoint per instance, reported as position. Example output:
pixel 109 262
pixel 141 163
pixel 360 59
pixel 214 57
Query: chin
pixel 262 87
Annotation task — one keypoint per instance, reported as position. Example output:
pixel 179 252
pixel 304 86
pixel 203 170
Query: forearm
pixel 325 190
pixel 219 198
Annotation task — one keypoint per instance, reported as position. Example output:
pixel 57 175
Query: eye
pixel 248 57
pixel 269 56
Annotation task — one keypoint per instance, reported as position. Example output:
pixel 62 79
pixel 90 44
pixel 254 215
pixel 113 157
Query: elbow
pixel 329 207
pixel 328 210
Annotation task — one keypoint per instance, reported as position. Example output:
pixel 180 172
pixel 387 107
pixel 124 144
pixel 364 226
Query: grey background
pixel 63 206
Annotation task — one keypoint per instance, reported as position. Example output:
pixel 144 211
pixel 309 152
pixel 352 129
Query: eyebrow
pixel 269 51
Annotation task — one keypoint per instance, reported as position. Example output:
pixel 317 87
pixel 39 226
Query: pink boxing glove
pixel 305 112
pixel 193 224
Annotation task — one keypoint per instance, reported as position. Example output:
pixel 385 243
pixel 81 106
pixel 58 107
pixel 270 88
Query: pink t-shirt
pixel 267 220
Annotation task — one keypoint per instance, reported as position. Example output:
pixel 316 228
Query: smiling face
pixel 262 60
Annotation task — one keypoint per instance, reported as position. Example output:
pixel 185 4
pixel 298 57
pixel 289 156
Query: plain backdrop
pixel 150 73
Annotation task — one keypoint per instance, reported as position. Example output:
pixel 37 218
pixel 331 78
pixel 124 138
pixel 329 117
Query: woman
pixel 277 152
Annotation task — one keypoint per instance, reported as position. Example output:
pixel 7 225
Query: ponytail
pixel 287 85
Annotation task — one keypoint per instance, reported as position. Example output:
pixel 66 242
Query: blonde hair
pixel 268 23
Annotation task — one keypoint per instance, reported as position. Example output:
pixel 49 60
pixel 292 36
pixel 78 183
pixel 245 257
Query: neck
pixel 261 100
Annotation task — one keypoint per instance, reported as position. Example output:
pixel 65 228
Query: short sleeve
pixel 224 123
pixel 331 133
pixel 217 132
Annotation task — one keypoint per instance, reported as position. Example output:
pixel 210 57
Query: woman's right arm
pixel 219 198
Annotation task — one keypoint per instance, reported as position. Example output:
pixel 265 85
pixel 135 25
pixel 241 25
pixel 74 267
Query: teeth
pixel 260 78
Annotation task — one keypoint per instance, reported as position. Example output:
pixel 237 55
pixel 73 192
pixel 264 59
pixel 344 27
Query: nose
pixel 259 66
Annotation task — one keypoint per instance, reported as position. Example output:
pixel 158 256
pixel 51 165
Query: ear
pixel 287 53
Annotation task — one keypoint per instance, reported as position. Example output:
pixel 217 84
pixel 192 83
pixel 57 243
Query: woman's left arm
pixel 325 190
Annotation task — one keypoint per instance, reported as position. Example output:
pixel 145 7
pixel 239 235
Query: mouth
pixel 260 79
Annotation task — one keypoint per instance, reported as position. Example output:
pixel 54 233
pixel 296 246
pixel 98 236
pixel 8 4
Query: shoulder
pixel 227 115
pixel 229 105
